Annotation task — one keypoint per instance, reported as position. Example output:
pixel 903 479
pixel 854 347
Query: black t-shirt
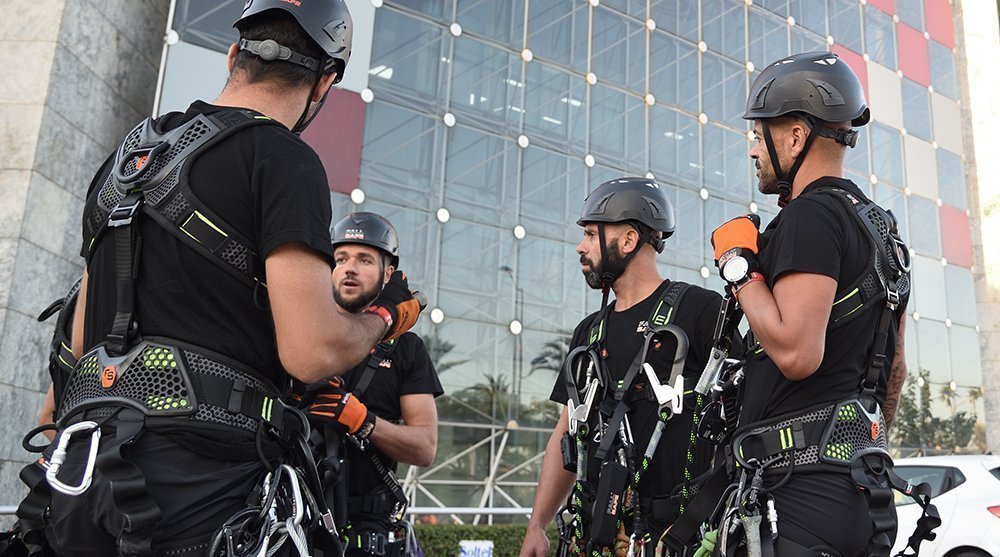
pixel 406 370
pixel 264 182
pixel 696 315
pixel 815 234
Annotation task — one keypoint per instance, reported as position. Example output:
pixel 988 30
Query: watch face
pixel 735 269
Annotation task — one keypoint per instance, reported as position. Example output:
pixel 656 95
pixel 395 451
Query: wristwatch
pixel 735 268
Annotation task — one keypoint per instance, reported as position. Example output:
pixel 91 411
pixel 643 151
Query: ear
pixel 389 270
pixel 323 86
pixel 798 132
pixel 629 240
pixel 234 49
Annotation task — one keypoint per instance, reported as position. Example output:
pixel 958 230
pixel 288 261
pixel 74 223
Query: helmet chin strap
pixel 785 181
pixel 609 273
pixel 305 119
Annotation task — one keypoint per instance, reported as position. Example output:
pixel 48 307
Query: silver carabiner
pixel 59 457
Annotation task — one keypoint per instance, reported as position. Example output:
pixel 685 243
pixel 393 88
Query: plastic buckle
pixel 125 211
pixel 59 457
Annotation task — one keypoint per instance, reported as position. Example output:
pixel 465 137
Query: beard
pixel 593 275
pixel 358 303
pixel 767 180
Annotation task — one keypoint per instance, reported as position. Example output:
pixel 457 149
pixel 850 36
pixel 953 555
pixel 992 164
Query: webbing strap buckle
pixel 59 457
pixel 124 212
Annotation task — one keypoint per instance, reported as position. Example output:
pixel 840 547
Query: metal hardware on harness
pixel 125 211
pixel 59 457
pixel 725 326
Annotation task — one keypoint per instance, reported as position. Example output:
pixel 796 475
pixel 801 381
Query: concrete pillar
pixel 979 49
pixel 78 74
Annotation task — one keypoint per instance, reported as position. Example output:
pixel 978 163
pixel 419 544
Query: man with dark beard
pixel 385 405
pixel 625 223
pixel 824 290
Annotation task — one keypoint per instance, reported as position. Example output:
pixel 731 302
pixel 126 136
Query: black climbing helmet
pixel 369 229
pixel 631 200
pixel 327 22
pixel 819 84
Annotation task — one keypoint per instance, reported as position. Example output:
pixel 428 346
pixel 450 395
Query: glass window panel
pixel 856 158
pixel 806 41
pixel 552 190
pixel 481 177
pixel 558 32
pixel 718 211
pixel 686 247
pixel 928 284
pixel 207 24
pixel 845 24
pixel 951 179
pixel 887 154
pixel 768 37
pixel 487 84
pixel 723 85
pixel 932 350
pixel 553 287
pixel 673 74
pixel 916 109
pixel 634 8
pixel 943 76
pixel 398 156
pixel 674 152
pixel 679 17
pixel 810 14
pixel 607 122
pixel 466 250
pixel 961 295
pixel 892 199
pixel 880 36
pixel 503 21
pixel 723 28
pixel 779 7
pixel 911 12
pixel 407 59
pixel 925 238
pixel 966 367
pixel 555 108
pixel 619 50
pixel 475 352
pixel 602 173
pixel 727 168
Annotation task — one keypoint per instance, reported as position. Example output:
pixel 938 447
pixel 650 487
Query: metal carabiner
pixel 59 457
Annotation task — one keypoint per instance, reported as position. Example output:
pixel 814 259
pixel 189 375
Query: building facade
pixel 478 127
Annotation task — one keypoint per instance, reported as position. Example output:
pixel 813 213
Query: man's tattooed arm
pixel 897 376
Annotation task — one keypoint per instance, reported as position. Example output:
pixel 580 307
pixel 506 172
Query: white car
pixel 966 491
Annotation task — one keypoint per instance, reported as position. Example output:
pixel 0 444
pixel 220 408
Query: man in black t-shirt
pixel 206 240
pixel 813 324
pixel 386 404
pixel 625 223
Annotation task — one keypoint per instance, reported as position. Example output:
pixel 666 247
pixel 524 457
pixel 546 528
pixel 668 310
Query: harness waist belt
pixel 168 378
pixel 833 435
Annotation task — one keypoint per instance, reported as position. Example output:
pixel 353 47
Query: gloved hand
pixel 398 306
pixel 740 232
pixel 333 404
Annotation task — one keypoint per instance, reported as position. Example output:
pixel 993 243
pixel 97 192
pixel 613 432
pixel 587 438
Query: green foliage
pixel 916 428
pixel 441 540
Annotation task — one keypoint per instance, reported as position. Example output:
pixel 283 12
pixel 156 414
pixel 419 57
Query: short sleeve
pixel 293 201
pixel 419 376
pixel 809 240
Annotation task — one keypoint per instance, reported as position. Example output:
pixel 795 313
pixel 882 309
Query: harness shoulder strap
pixel 159 164
pixel 381 351
pixel 61 359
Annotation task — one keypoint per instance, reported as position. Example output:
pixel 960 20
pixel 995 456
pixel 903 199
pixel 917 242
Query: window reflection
pixel 916 109
pixel 674 149
pixel 673 71
pixel 502 21
pixel 845 24
pixel 951 179
pixel 881 39
pixel 723 29
pixel 555 108
pixel 398 155
pixel 942 62
pixel 558 32
pixel 768 37
pixel 486 84
pixel 679 17
pixel 925 238
pixel 407 60
pixel 887 154
pixel 618 53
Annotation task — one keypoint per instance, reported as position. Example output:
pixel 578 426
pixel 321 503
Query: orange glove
pixel 348 414
pixel 398 306
pixel 741 232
